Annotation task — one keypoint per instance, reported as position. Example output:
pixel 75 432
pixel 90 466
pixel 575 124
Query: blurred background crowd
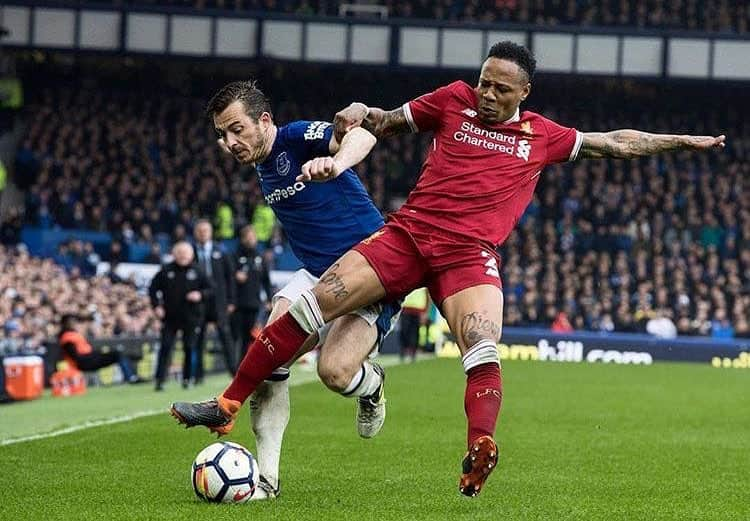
pixel 696 15
pixel 123 149
pixel 37 292
pixel 609 244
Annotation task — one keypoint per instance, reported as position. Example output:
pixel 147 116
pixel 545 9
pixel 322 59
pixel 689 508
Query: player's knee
pixel 335 376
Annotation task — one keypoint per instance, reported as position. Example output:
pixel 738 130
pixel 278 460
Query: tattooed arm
pixel 379 122
pixel 626 144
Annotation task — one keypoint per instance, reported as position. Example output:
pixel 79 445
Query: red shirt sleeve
pixel 425 113
pixel 563 143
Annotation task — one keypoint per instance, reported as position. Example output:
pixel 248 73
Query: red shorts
pixel 406 256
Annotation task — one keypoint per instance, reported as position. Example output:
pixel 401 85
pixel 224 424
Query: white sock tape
pixel 306 311
pixel 483 352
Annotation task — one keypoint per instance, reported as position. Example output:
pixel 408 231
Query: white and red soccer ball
pixel 225 472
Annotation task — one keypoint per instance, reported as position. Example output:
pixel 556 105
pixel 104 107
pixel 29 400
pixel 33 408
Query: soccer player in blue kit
pixel 322 221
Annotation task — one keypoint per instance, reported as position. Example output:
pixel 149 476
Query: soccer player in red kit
pixel 478 179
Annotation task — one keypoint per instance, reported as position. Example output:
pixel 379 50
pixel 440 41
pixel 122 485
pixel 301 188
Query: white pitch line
pixel 82 426
pixel 108 421
pixel 125 418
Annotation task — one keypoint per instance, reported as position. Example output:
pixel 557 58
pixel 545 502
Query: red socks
pixel 482 401
pixel 281 340
pixel 275 346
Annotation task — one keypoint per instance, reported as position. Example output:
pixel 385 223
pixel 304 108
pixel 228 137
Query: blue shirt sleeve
pixel 312 136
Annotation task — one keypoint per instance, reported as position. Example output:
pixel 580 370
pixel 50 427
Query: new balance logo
pixel 524 149
pixel 491 265
pixel 469 112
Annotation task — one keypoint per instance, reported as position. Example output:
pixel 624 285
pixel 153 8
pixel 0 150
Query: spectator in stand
pixel 608 242
pixel 79 354
pixel 562 323
pixel 661 325
pixel 10 227
pixel 720 326
pixel 35 293
pixel 693 15
pixel 154 255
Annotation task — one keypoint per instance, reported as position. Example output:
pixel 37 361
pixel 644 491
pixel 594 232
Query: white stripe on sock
pixel 365 385
pixel 483 352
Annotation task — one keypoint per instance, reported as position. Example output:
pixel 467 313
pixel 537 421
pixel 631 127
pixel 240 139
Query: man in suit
pixel 251 275
pixel 219 268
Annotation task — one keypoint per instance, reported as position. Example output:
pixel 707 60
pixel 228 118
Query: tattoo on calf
pixel 476 327
pixel 334 284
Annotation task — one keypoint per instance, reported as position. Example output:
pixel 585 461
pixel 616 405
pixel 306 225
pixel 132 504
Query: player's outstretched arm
pixel 626 144
pixel 354 147
pixel 379 122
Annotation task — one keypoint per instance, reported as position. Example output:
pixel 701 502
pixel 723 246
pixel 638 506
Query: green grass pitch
pixel 578 441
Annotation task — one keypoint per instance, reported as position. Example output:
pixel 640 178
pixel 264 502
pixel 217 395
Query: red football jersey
pixel 478 180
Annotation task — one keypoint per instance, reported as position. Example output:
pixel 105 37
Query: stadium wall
pixel 522 344
pixel 518 344
pixel 616 348
pixel 185 32
pixel 45 242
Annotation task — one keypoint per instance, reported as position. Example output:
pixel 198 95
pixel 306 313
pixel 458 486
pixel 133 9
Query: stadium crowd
pixel 695 15
pixel 613 245
pixel 605 245
pixel 140 167
pixel 37 292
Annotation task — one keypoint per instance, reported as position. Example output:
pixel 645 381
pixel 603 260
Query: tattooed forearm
pixel 334 284
pixel 626 144
pixel 381 123
pixel 476 327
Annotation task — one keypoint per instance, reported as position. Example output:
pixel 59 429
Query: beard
pixel 256 152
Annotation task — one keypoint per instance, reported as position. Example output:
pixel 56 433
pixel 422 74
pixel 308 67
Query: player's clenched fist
pixel 348 118
pixel 705 142
pixel 319 169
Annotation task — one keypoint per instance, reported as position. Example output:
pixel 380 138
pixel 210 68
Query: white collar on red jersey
pixel 514 118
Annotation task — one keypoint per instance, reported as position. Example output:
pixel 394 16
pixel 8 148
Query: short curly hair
pixel 515 53
pixel 255 102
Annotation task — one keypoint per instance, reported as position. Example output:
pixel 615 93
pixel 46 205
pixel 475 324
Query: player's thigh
pixel 385 264
pixel 349 284
pixel 280 306
pixel 348 343
pixel 474 314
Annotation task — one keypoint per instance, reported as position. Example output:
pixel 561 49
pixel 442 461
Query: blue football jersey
pixel 321 220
